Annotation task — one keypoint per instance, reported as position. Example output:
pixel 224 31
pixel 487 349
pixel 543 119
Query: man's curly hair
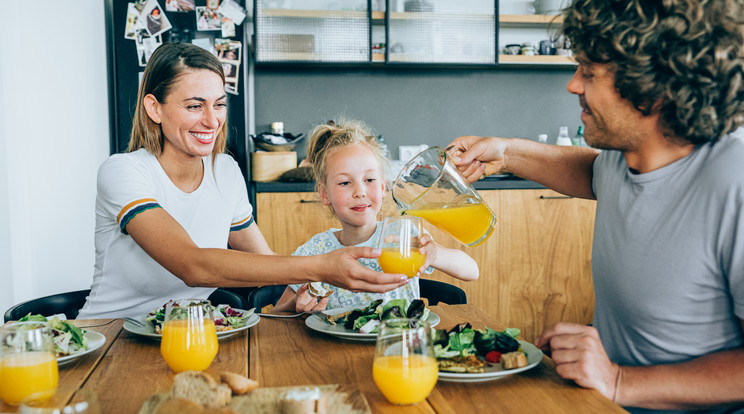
pixel 687 55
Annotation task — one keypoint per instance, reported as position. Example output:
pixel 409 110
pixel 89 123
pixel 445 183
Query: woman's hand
pixel 579 355
pixel 308 303
pixel 477 157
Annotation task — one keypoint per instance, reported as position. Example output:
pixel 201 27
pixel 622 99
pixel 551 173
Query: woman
pixel 167 209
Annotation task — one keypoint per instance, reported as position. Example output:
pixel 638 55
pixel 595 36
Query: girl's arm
pixel 300 301
pixel 455 263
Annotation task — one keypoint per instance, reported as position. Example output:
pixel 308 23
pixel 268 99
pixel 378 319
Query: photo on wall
pixel 154 18
pixel 228 50
pixel 179 5
pixel 207 19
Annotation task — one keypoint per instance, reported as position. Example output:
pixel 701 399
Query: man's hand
pixel 341 268
pixel 579 355
pixel 477 157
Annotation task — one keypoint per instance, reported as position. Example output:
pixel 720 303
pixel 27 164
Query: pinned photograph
pixel 231 86
pixel 179 5
pixel 132 19
pixel 232 10
pixel 207 19
pixel 213 4
pixel 146 44
pixel 228 50
pixel 228 27
pixel 231 71
pixel 154 18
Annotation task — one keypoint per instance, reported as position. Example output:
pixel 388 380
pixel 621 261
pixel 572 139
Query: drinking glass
pixel 404 367
pixel 430 186
pixel 189 340
pixel 84 402
pixel 28 365
pixel 399 241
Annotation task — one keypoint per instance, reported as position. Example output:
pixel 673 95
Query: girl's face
pixel 354 185
pixel 192 115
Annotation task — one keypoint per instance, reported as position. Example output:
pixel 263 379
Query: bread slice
pixel 201 388
pixel 303 401
pixel 513 360
pixel 238 383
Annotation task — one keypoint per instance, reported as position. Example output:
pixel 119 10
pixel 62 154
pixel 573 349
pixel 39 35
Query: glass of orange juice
pixel 405 368
pixel 399 241
pixel 189 340
pixel 430 186
pixel 28 365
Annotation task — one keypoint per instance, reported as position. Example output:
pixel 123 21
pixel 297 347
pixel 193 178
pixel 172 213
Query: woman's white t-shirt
pixel 126 280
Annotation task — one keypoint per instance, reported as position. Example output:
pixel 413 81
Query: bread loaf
pixel 238 383
pixel 179 406
pixel 201 388
pixel 303 401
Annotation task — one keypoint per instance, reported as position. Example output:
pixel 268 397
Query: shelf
pixel 378 57
pixel 317 14
pixel 275 56
pixel 450 59
pixel 537 60
pixel 438 16
pixel 537 19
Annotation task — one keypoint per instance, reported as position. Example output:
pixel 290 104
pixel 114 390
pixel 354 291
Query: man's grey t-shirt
pixel 668 255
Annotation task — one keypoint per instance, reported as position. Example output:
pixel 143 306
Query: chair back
pixel 68 303
pixel 436 291
pixel 264 296
pixel 226 297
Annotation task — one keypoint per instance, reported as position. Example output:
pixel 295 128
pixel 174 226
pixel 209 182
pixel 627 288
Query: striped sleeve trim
pixel 242 224
pixel 132 209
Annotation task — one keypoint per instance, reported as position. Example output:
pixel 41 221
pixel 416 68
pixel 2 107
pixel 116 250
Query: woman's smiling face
pixel 193 113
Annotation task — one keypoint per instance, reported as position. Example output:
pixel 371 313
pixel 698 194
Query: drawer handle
pixel 554 197
pixel 309 201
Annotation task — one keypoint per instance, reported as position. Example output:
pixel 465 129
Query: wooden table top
pixel 283 352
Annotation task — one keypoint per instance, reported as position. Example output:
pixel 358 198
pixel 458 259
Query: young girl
pixel 348 165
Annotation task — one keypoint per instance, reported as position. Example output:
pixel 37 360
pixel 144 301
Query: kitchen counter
pixel 494 182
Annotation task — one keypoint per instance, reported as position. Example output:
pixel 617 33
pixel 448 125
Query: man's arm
pixel 567 170
pixel 710 381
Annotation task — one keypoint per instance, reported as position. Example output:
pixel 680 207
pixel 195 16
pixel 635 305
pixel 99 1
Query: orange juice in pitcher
pixel 431 187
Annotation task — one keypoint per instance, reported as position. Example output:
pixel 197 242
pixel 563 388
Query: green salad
pixel 68 338
pixel 463 340
pixel 225 318
pixel 367 320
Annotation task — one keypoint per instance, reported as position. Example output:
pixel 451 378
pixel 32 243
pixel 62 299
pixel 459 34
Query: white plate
pixel 494 372
pixel 95 341
pixel 320 324
pixel 149 332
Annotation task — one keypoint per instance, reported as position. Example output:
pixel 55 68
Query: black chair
pixel 70 303
pixel 436 292
pixel 264 296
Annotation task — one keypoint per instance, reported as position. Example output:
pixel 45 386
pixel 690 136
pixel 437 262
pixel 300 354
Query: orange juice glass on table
pixel 189 341
pixel 404 367
pixel 430 186
pixel 28 365
pixel 399 241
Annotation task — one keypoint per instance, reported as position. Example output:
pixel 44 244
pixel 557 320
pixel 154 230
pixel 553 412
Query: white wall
pixel 53 135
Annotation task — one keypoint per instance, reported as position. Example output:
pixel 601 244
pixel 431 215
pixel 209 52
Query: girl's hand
pixel 428 248
pixel 308 303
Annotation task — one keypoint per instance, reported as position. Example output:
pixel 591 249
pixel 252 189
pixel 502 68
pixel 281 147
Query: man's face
pixel 611 122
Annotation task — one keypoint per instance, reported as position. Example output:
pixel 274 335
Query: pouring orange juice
pixel 28 365
pixel 431 187
pixel 399 241
pixel 189 340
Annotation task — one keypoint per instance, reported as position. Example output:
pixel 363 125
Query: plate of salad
pixel 465 354
pixel 360 324
pixel 70 341
pixel 227 320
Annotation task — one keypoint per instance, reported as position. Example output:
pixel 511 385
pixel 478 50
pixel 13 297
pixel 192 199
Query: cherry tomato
pixel 493 357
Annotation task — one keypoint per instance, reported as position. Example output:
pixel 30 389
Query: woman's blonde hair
pixel 326 139
pixel 166 65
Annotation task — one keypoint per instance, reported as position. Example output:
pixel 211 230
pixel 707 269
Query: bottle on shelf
pixel 563 138
pixel 578 140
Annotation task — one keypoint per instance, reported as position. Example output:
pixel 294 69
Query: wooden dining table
pixel 128 369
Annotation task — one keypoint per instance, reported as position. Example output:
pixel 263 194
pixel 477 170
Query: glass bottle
pixel 563 138
pixel 578 140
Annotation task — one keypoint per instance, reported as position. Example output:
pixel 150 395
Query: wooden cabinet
pixel 534 269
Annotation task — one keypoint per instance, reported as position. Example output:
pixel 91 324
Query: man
pixel 661 87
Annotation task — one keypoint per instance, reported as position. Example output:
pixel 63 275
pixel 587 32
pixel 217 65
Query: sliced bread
pixel 201 388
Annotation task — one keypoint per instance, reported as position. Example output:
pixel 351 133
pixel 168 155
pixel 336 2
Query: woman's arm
pixel 250 239
pixel 161 237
